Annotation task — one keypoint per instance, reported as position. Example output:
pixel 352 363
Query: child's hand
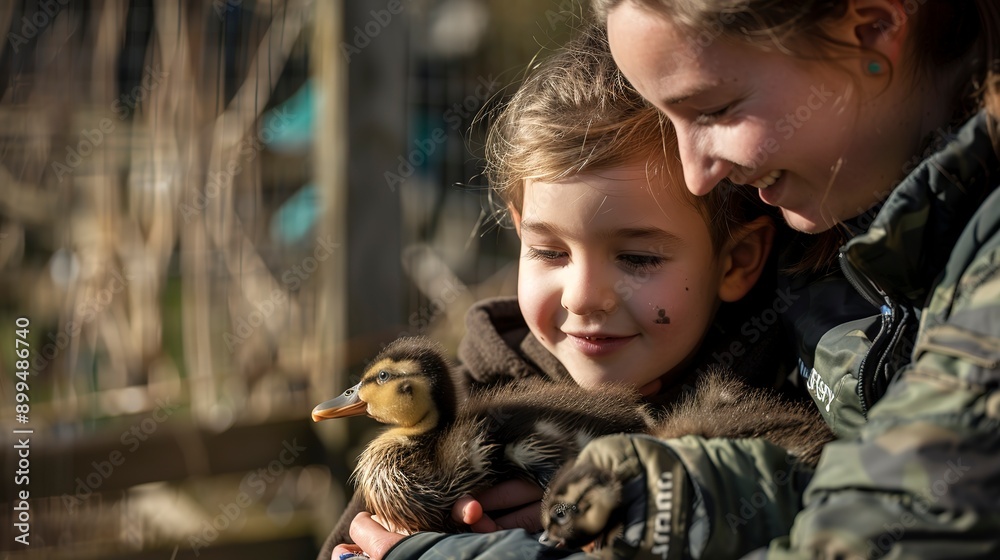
pixel 521 496
pixel 371 538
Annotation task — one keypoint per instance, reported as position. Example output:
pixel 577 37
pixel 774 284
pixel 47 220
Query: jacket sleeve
pixel 702 498
pixel 746 493
pixel 513 544
pixel 922 479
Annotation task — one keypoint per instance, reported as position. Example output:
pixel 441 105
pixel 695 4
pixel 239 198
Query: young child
pixel 624 275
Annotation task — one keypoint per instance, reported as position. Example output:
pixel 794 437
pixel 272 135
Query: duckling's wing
pixel 541 425
pixel 466 452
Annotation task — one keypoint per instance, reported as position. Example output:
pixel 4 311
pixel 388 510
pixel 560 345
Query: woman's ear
pixel 875 25
pixel 745 256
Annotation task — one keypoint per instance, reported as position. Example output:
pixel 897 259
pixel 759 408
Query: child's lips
pixel 594 345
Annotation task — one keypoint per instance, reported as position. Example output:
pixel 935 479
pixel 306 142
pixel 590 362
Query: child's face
pixel 834 138
pixel 618 282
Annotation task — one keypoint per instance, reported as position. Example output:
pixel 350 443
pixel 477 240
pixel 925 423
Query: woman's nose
pixel 703 170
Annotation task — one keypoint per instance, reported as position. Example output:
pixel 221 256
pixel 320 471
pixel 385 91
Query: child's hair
pixel 576 113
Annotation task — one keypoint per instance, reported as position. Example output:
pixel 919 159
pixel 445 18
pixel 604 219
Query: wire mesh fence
pixel 212 213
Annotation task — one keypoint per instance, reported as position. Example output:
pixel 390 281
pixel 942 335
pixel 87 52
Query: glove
pixel 628 494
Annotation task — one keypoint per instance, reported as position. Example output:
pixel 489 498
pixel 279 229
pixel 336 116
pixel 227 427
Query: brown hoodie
pixel 498 348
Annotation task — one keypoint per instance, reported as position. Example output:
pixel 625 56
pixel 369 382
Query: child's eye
pixel 640 263
pixel 708 117
pixel 545 254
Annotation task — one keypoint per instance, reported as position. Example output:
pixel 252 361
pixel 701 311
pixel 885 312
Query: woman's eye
pixel 640 263
pixel 708 117
pixel 545 254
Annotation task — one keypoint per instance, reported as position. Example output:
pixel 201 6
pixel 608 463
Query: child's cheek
pixel 537 299
pixel 661 317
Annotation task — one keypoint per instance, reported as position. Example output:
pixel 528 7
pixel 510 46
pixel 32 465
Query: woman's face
pixel 822 141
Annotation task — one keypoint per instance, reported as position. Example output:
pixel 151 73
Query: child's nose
pixel 588 292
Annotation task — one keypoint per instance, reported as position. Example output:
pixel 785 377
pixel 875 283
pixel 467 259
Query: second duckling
pixel 444 444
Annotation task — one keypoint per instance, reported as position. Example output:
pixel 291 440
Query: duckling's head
pixel 578 506
pixel 408 385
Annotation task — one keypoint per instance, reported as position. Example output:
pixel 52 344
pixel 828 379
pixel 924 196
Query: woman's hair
pixel 575 113
pixel 944 33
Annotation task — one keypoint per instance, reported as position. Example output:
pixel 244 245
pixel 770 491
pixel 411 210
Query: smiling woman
pixel 874 123
pixel 849 120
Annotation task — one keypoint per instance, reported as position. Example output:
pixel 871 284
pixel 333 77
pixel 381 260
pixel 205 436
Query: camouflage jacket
pixel 913 390
pixel 905 366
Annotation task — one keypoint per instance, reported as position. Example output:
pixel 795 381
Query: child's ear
pixel 875 25
pixel 744 257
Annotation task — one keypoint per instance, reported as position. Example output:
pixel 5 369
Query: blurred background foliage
pixel 212 213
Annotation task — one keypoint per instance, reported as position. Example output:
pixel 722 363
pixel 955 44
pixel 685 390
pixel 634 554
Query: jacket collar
pixel 911 237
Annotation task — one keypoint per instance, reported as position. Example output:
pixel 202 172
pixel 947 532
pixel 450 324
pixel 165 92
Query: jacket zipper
pixel 867 378
pixel 861 283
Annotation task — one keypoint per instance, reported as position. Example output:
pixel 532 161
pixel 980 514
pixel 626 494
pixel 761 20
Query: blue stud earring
pixel 874 67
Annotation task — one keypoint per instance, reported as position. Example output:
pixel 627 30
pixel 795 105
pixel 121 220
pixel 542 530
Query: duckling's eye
pixel 383 376
pixel 561 512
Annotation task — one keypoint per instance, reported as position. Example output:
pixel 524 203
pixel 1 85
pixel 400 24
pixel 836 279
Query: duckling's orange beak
pixel 349 403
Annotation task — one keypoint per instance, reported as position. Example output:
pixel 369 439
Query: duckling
pixel 443 444
pixel 584 504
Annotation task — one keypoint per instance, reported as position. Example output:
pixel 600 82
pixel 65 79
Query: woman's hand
pixel 519 494
pixel 371 538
